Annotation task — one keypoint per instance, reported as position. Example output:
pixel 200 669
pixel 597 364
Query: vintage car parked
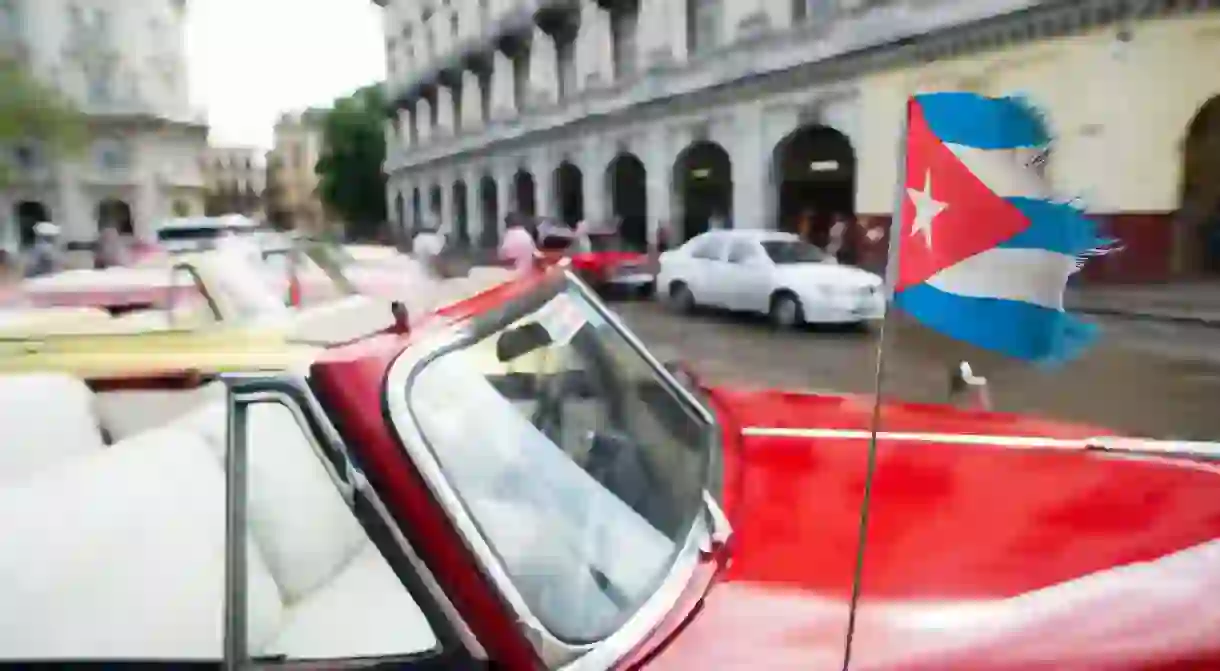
pixel 219 312
pixel 769 273
pixel 517 483
pixel 316 266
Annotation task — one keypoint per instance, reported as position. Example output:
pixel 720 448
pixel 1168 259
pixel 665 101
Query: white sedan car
pixel 771 273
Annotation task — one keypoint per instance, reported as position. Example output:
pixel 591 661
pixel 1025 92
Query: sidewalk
pixel 1189 302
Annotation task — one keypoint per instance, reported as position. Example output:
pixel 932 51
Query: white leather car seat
pixel 118 552
pixel 120 555
pixel 341 597
pixel 46 419
pixel 126 413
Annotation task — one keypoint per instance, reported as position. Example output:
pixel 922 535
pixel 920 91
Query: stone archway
pixel 569 193
pixel 703 187
pixel 627 186
pixel 524 202
pixel 461 218
pixel 489 203
pixel 28 213
pixel 814 170
pixel 1200 209
pixel 115 213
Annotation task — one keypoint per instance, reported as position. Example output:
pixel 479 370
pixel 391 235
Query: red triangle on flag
pixel 963 216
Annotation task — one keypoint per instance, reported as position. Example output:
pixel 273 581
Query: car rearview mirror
pixel 519 341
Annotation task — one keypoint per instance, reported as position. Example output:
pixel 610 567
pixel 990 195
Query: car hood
pixel 980 555
pixel 827 274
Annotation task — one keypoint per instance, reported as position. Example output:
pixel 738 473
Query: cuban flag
pixel 984 250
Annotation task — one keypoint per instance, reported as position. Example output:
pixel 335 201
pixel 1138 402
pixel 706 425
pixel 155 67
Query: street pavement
pixel 1152 378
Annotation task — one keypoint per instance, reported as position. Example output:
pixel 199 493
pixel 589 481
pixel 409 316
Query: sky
pixel 251 60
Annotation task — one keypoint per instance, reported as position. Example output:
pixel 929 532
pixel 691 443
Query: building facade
pixel 234 179
pixel 758 112
pixel 123 63
pixel 291 198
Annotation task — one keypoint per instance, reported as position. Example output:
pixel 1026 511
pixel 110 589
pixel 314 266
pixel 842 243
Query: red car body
pixel 996 541
pixel 604 267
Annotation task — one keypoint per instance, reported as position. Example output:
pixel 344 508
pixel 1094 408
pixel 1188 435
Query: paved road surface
pixel 1147 378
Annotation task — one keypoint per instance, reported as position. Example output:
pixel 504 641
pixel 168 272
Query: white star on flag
pixel 926 209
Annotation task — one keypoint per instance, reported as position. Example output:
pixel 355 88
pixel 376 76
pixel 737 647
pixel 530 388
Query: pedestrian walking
pixel 112 249
pixel 518 247
pixel 45 257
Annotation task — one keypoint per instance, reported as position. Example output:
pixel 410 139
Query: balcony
pixel 508 30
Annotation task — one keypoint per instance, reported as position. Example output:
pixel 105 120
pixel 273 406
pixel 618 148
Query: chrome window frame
pixel 707 529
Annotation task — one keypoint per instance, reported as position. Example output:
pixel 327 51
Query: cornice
pixel 695 85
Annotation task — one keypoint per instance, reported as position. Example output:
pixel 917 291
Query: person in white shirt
pixel 518 247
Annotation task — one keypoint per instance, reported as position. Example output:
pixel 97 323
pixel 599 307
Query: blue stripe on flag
pixel 1019 330
pixel 984 123
pixel 1056 227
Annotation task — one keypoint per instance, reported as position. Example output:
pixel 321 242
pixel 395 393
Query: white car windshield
pixel 582 466
pixel 793 251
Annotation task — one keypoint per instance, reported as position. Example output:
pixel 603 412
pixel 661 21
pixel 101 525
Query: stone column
pixel 592 164
pixel 472 113
pixel 543 169
pixel 662 33
pixel 423 120
pixel 503 95
pixel 474 207
pixel 594 55
pixel 445 182
pixel 445 121
pixel 658 158
pixel 750 168
pixel 543 72
pixel 405 128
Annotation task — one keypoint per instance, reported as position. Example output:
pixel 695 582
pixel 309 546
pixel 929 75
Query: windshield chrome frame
pixel 708 527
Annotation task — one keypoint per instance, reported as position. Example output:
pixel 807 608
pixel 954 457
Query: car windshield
pixel 581 464
pixel 793 251
pixel 318 266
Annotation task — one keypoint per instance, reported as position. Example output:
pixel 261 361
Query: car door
pixel 703 261
pixel 744 277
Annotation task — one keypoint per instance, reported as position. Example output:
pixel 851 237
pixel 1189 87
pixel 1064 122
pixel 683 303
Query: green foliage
pixel 31 110
pixel 351 184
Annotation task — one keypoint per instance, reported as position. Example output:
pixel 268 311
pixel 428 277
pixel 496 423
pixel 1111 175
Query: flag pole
pixel 891 279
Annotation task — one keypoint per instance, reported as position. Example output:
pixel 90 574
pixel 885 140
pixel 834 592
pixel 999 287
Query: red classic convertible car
pixel 601 260
pixel 517 483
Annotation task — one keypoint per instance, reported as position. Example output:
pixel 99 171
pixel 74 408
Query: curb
pixel 1210 322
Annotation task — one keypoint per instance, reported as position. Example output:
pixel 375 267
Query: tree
pixel 350 179
pixel 33 111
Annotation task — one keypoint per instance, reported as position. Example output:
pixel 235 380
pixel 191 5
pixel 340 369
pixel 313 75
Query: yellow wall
pixel 1119 123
